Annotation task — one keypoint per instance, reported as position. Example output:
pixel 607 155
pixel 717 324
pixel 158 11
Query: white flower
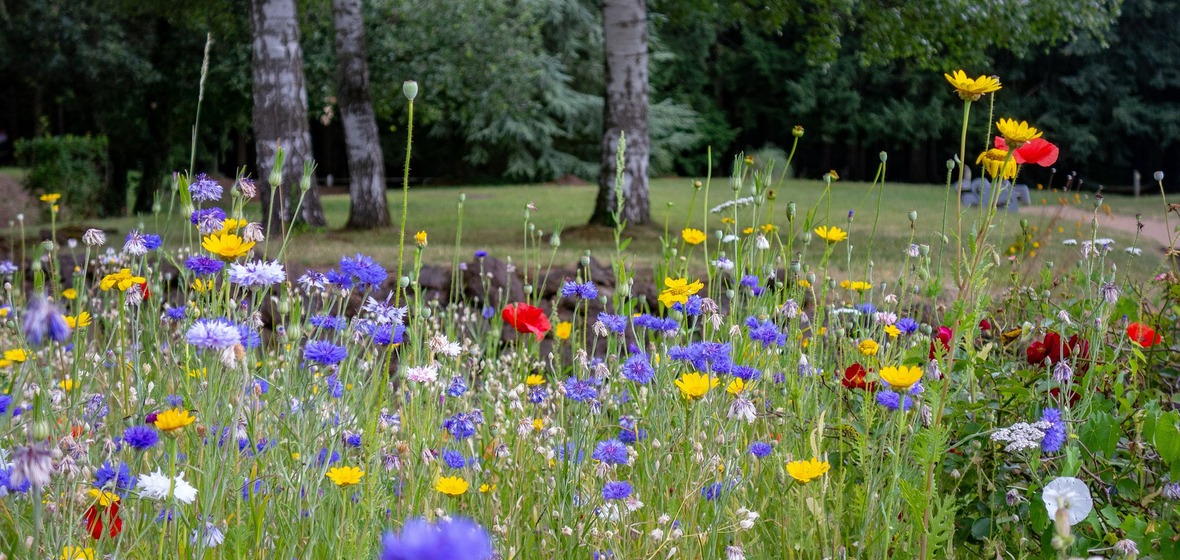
pixel 422 374
pixel 1069 494
pixel 761 243
pixel 743 409
pixel 723 264
pixel 156 486
pixel 209 537
pixel 1069 241
pixel 1134 251
pixel 730 238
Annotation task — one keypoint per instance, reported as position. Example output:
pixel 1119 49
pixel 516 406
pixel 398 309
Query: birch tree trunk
pixel 366 165
pixel 624 110
pixel 280 112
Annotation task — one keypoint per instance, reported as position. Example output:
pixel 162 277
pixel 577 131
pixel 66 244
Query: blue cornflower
pixel 5 402
pixel 385 335
pixel 462 424
pixel 365 270
pixel 692 307
pixel 1055 436
pixel 323 456
pixel 457 387
pixel 538 394
pixel 760 449
pixel 457 539
pixel 704 356
pixel 203 265
pixel 488 312
pixel 654 323
pixel 906 325
pixel 202 214
pixel 329 322
pixel 749 281
pixel 616 490
pixel 613 323
pixel 866 308
pixel 174 401
pixel 152 241
pixel 765 332
pixel 335 387
pixel 629 431
pixel 42 319
pixel 176 313
pixel 312 280
pixel 7 268
pixel 637 368
pixel 249 337
pixel 454 459
pixel 254 489
pixel 894 401
pixel 352 440
pixel 324 352
pixel 711 491
pixel 479 254
pixel 611 452
pixel 586 290
pixel 570 452
pixel 6 485
pixel 342 281
pixel 214 334
pixel 141 437
pixel 204 189
pixel 114 478
pixel 745 373
pixel 580 390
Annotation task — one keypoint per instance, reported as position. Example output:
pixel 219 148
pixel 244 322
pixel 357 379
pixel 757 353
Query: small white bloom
pixel 155 486
pixel 422 374
pixel 1070 494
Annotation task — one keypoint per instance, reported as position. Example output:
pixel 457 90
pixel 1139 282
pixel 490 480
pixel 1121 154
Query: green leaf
pixel 1166 437
pixel 1100 434
pixel 982 528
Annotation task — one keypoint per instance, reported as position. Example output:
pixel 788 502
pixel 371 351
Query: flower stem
pixel 401 242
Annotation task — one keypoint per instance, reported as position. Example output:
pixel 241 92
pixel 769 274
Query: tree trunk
pixel 366 166
pixel 280 112
pixel 624 110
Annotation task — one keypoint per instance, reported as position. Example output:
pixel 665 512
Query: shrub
pixel 71 165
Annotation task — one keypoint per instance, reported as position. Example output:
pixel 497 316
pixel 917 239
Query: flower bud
pixel 950 164
pixel 1159 175
pixel 791 210
pixel 913 215
pixel 40 431
pixel 403 281
pixel 528 289
pixel 884 156
pixel 410 90
pixel 697 184
pixel 797 132
pixel 47 245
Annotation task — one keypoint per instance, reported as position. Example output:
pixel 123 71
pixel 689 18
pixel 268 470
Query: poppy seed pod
pixel 1159 176
pixel 410 90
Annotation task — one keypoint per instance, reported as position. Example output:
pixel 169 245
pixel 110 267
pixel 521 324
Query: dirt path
pixel 1154 235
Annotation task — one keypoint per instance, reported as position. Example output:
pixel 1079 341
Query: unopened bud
pixel 1159 175
pixel 410 90
pixel 884 156
pixel 913 215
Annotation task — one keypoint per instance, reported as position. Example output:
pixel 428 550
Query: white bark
pixel 280 110
pixel 366 165
pixel 625 110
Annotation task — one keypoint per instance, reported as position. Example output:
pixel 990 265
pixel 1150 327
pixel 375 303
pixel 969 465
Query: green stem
pixel 401 242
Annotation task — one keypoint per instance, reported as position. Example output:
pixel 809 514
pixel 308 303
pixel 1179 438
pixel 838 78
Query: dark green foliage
pixel 72 166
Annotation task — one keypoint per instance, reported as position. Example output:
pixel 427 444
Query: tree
pixel 366 165
pixel 624 24
pixel 280 112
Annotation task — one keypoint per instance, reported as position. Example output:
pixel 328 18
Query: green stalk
pixel 401 241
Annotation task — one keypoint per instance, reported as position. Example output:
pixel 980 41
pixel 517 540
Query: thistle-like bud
pixel 410 90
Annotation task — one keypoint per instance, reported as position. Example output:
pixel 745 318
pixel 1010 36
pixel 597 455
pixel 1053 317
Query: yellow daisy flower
pixel 173 419
pixel 1016 133
pixel 451 485
pixel 693 236
pixel 345 476
pixel 563 329
pixel 806 471
pixel 695 385
pixel 678 289
pixel 971 89
pixel 831 234
pixel 901 378
pixel 228 246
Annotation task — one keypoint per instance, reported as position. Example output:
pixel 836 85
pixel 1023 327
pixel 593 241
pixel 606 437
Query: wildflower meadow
pixel 756 388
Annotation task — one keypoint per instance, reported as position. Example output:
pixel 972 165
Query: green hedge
pixel 74 166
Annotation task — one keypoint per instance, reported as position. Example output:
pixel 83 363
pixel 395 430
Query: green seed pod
pixel 410 90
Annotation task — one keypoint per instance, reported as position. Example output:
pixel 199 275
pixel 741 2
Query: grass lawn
pixel 493 220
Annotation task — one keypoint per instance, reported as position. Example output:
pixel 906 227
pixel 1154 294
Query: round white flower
pixel 1070 494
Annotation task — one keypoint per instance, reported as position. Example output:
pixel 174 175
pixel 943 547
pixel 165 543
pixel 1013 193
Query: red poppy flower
pixel 985 325
pixel 94 520
pixel 854 378
pixel 526 319
pixel 143 288
pixel 944 338
pixel 1143 335
pixel 1038 150
pixel 1054 349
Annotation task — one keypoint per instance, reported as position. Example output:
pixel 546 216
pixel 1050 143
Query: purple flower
pixel 580 390
pixel 363 269
pixel 616 490
pixel 457 387
pixel 906 325
pixel 760 449
pixel 204 214
pixel 454 459
pixel 324 352
pixel 765 332
pixel 135 244
pixel 462 424
pixel 457 539
pixel 636 368
pixel 204 189
pixel 692 307
pixel 256 273
pixel 385 335
pixel 1055 436
pixel 651 322
pixel 215 334
pixel 481 254
pixel 329 322
pixel 6 267
pixel 152 241
pixel 614 323
pixel 141 437
pixel 118 478
pixel 203 265
pixel 42 318
pixel 611 452
pixel 176 313
pixel 5 402
pixel 586 290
